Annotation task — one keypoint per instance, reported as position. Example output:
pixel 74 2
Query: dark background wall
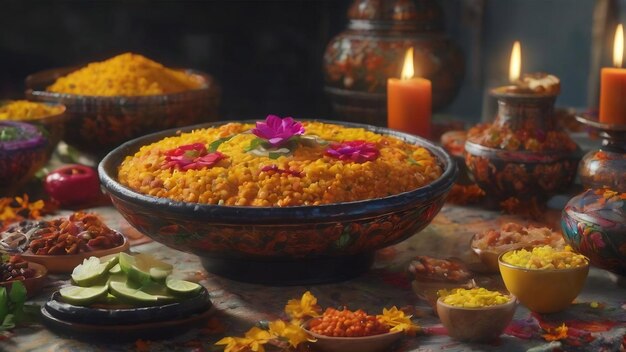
pixel 267 55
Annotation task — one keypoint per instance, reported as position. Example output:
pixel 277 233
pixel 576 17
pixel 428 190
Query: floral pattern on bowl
pixel 594 224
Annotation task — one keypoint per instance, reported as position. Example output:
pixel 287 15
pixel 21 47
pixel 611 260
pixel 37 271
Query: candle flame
pixel 515 66
pixel 407 69
pixel 618 46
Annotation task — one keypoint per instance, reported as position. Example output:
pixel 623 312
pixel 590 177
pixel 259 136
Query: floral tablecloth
pixel 595 322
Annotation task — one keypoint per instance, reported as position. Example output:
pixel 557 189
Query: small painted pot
pixel 594 224
pixel 23 151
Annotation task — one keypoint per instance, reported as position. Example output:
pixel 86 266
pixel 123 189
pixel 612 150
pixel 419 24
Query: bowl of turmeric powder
pixel 124 97
pixel 47 116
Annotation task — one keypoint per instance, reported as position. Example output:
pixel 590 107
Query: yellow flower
pixel 559 333
pixel 254 340
pixel 293 333
pixel 397 320
pixel 304 307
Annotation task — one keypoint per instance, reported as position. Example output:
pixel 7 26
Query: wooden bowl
pixel 482 324
pixel 65 264
pixel 32 284
pixel 374 343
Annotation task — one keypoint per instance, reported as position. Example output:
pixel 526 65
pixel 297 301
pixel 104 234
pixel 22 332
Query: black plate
pixel 125 316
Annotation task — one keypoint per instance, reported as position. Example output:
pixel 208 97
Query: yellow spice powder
pixel 27 110
pixel 544 257
pixel 472 298
pixel 125 75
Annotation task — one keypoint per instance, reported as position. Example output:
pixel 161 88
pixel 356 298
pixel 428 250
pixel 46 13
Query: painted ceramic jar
pixel 521 154
pixel 358 61
pixel 594 224
pixel 605 167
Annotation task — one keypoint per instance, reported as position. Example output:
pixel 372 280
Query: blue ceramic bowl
pixel 596 227
pixel 280 245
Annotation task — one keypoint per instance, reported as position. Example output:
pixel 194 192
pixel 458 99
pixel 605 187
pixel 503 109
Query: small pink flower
pixel 356 151
pixel 191 157
pixel 277 131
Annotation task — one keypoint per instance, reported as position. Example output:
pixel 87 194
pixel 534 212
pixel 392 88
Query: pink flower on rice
pixel 276 130
pixel 357 151
pixel 191 157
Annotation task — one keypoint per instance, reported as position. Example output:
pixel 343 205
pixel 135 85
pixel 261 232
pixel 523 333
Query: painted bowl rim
pixel 519 268
pixel 327 212
pixel 544 157
pixel 208 84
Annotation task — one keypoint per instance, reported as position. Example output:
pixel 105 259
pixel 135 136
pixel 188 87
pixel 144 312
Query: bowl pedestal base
pixel 288 271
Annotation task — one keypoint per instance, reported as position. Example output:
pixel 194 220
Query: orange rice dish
pixel 309 169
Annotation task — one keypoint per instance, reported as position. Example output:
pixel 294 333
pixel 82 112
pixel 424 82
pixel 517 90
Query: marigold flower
pixel 357 151
pixel 303 307
pixel 276 130
pixel 556 334
pixel 290 332
pixel 397 321
pixel 254 340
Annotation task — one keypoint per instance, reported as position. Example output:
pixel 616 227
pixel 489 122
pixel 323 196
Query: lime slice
pixel 90 272
pixel 83 296
pixel 115 269
pixel 182 287
pixel 110 260
pixel 143 267
pixel 120 290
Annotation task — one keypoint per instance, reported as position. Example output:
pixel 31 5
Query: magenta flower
pixel 191 156
pixel 356 151
pixel 274 168
pixel 277 131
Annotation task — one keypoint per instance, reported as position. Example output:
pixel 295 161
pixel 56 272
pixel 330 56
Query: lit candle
pixel 409 101
pixel 613 85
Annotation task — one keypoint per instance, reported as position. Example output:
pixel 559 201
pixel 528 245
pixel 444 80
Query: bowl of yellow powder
pixel 311 209
pixel 49 116
pixel 475 314
pixel 124 97
pixel 544 279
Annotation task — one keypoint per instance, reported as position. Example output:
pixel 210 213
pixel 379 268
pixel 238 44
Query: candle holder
pixel 605 167
pixel 522 154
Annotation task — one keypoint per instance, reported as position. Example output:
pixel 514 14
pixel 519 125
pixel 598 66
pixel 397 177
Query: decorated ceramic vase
pixel 594 224
pixel 605 167
pixel 23 151
pixel 522 154
pixel 358 61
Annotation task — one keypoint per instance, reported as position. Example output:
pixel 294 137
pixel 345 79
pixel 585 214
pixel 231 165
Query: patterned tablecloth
pixel 596 321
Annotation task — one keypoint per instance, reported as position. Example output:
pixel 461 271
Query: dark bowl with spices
pixel 97 124
pixel 23 151
pixel 281 245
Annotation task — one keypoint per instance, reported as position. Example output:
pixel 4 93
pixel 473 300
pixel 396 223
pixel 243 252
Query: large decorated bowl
pixel 594 224
pixel 97 124
pixel 281 245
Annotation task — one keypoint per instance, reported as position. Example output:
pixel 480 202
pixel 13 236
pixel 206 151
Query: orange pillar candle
pixel 613 85
pixel 409 101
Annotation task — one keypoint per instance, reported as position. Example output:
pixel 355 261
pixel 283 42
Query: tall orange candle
pixel 409 101
pixel 613 85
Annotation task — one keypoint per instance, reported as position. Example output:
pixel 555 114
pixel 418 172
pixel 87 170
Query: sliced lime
pixel 115 269
pixel 121 290
pixel 110 260
pixel 90 272
pixel 182 287
pixel 82 296
pixel 141 267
